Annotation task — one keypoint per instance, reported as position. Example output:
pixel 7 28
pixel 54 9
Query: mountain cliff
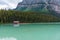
pixel 39 5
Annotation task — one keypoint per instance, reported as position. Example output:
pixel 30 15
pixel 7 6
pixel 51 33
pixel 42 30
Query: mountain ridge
pixel 51 5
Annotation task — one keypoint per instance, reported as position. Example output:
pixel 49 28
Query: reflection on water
pixel 6 38
pixel 16 25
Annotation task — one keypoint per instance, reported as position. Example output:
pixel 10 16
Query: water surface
pixel 31 31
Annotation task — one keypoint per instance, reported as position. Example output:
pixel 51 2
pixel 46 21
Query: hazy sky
pixel 9 4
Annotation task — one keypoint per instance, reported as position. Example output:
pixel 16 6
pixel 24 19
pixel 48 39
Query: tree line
pixel 8 16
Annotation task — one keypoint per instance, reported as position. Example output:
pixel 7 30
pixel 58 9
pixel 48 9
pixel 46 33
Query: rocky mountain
pixel 39 5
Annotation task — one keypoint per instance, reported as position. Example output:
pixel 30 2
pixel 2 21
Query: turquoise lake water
pixel 31 31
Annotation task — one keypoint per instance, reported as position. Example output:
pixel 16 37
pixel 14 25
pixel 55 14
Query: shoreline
pixel 35 23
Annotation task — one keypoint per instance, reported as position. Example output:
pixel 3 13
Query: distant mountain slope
pixel 38 5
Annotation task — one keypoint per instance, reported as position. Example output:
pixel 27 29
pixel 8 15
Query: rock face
pixel 38 5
